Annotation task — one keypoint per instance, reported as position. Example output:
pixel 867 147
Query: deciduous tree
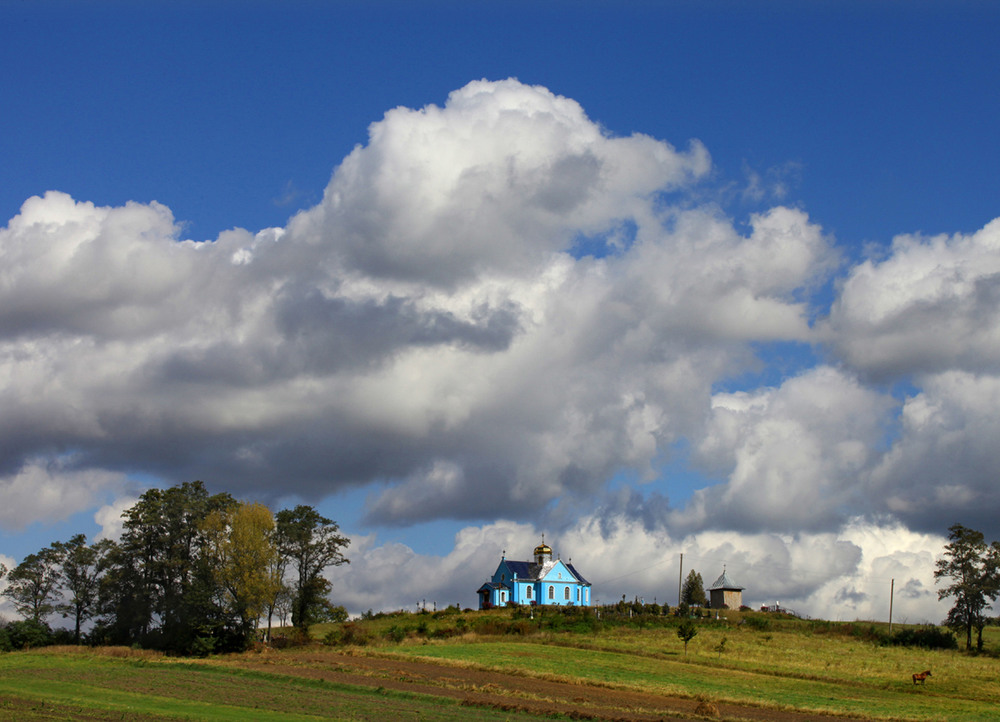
pixel 162 589
pixel 311 543
pixel 33 585
pixel 80 565
pixel 973 569
pixel 243 545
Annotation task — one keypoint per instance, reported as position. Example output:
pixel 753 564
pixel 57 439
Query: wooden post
pixel 680 580
pixel 892 591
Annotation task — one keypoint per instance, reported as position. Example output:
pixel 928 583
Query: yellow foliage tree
pixel 243 544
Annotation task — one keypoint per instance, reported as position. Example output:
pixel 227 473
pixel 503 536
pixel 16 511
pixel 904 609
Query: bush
pixel 396 633
pixel 25 634
pixel 758 624
pixel 929 637
pixel 349 633
pixel 295 638
pixel 491 626
pixel 202 646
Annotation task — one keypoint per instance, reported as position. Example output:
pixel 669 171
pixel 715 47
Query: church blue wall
pixel 558 587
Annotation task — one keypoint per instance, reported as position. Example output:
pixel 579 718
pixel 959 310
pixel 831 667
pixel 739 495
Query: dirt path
pixel 508 691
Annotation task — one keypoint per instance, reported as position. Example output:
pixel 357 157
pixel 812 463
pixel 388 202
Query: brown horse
pixel 921 676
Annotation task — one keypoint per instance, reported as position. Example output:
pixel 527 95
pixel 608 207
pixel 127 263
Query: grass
pixel 783 664
pixel 780 664
pixel 67 683
pixel 883 697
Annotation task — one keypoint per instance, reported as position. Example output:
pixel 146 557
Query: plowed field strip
pixel 506 691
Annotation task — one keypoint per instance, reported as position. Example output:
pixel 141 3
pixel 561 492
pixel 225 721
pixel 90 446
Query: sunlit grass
pixel 802 665
pixel 77 683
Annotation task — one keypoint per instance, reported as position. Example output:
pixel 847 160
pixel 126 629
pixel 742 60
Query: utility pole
pixel 892 591
pixel 680 580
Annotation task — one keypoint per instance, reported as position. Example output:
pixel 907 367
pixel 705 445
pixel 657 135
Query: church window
pixel 566 593
pixel 527 592
pixel 552 592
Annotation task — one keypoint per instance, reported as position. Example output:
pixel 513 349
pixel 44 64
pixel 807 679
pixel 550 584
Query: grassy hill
pixel 435 665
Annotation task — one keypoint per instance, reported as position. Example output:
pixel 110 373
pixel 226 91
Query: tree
pixel 24 634
pixel 33 584
pixel 693 591
pixel 161 587
pixel 973 567
pixel 280 601
pixel 311 543
pixel 80 578
pixel 243 545
pixel 686 632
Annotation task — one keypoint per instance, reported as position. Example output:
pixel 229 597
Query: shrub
pixel 928 637
pixel 490 626
pixel 758 624
pixel 867 633
pixel 202 646
pixel 295 638
pixel 26 634
pixel 686 632
pixel 349 633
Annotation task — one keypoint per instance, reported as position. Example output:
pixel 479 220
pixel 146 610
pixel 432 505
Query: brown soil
pixel 23 710
pixel 509 692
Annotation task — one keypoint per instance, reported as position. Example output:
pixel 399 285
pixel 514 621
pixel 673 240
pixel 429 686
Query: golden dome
pixel 543 548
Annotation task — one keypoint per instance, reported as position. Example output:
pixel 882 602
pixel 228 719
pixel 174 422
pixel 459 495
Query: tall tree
pixel 162 589
pixel 973 568
pixel 693 591
pixel 33 584
pixel 80 565
pixel 311 543
pixel 280 600
pixel 243 546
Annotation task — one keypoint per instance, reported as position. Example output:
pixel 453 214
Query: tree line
pixel 192 573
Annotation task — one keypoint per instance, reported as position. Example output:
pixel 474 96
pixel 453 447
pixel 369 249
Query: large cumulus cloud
pixel 434 324
pixel 924 314
pixel 930 305
pixel 795 458
pixel 497 308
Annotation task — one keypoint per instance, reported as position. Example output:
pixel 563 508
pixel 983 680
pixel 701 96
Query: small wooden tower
pixel 725 593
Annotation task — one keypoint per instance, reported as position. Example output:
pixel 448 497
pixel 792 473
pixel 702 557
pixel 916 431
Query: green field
pixel 782 665
pixel 65 683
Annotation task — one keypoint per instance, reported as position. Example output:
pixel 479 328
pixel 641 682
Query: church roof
pixel 577 574
pixel 724 582
pixel 531 572
pixel 492 585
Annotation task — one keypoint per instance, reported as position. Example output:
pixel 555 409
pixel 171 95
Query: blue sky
pixel 439 367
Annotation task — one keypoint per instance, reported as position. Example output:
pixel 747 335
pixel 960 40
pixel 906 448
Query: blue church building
pixel 543 581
